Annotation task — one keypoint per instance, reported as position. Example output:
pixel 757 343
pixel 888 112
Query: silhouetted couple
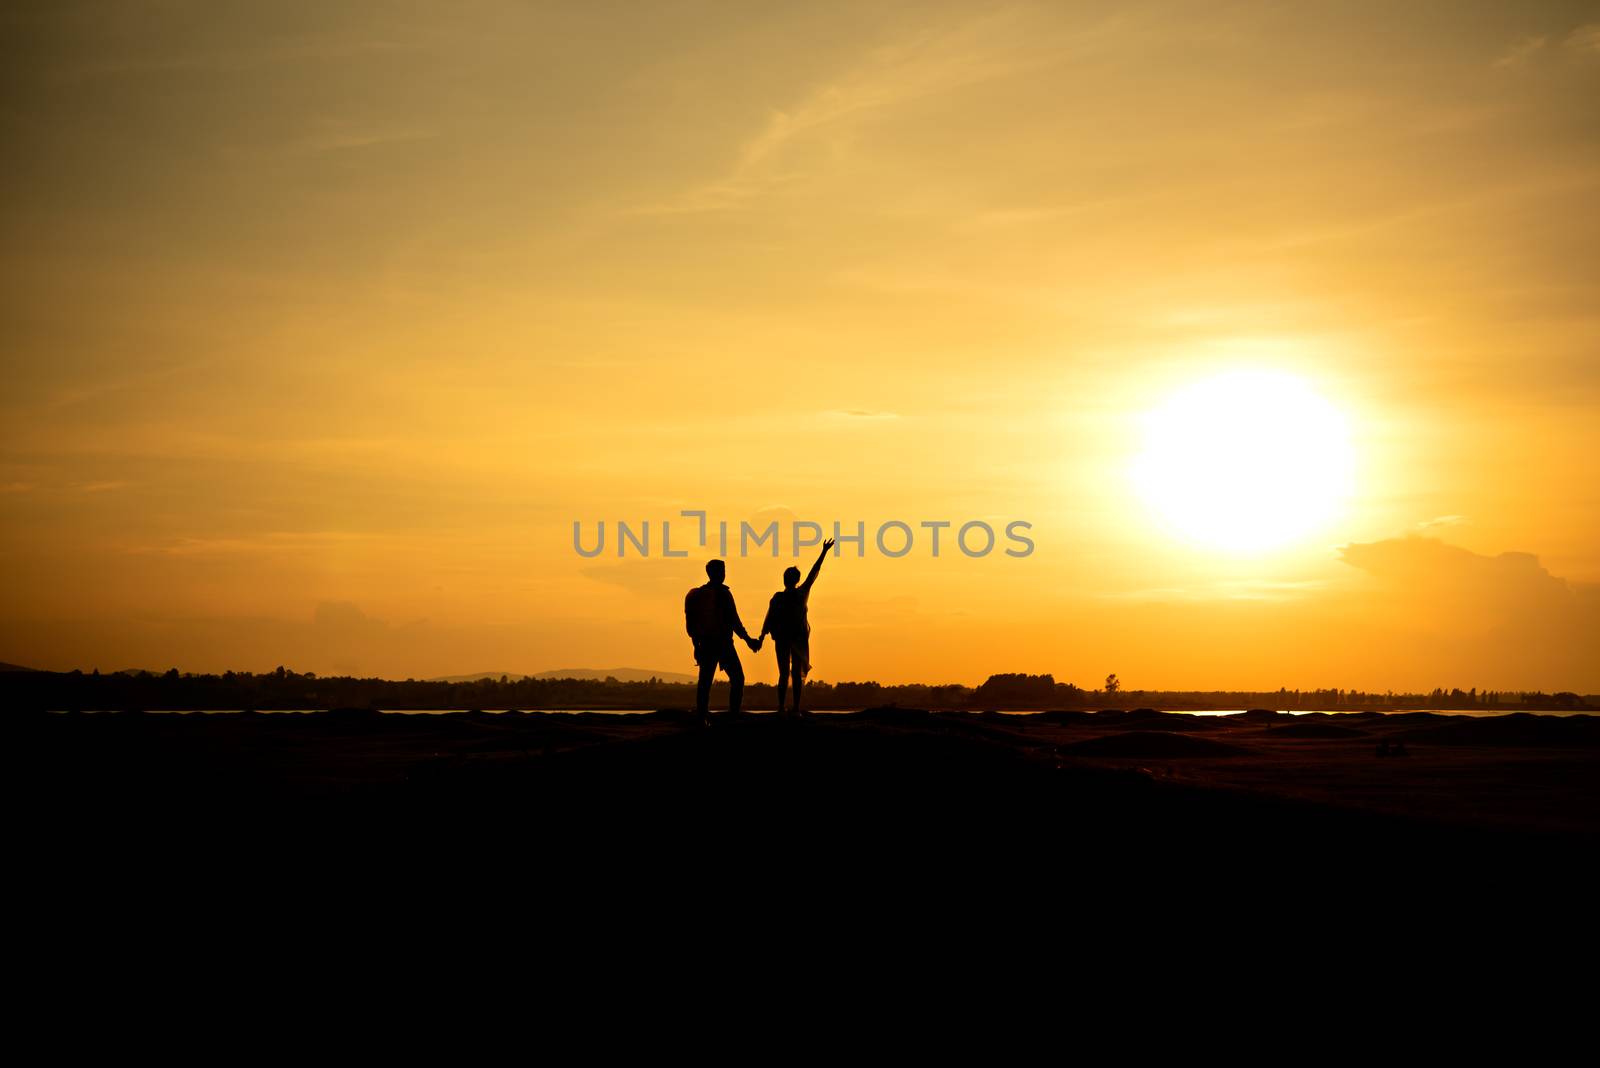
pixel 712 621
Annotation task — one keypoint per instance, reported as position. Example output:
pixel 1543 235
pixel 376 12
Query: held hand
pixel 754 643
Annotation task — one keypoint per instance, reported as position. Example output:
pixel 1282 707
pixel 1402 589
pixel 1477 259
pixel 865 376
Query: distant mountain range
pixel 621 674
pixel 14 667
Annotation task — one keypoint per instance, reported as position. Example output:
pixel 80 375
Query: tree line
pixel 286 689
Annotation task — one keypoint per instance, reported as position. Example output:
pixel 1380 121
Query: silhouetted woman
pixel 791 632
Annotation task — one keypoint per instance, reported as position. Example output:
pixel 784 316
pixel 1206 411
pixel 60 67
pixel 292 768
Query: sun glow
pixel 1245 461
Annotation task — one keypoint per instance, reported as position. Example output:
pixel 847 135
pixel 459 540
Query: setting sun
pixel 1245 461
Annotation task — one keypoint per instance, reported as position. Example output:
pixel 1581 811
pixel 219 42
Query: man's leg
pixel 702 694
pixel 735 670
pixel 798 670
pixel 783 674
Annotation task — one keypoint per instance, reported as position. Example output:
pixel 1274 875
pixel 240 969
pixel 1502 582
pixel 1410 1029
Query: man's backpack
pixel 787 616
pixel 702 613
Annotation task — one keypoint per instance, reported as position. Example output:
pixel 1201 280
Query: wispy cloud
pixel 322 48
pixel 338 136
pixel 1585 39
pixel 648 577
pixel 92 486
pixel 271 543
pixel 81 392
pixel 1231 590
pixel 1519 52
pixel 941 60
pixel 862 413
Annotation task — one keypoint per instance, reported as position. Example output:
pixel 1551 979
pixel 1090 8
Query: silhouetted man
pixel 712 620
pixel 791 631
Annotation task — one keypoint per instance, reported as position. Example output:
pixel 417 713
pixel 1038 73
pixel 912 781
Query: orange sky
pixel 321 328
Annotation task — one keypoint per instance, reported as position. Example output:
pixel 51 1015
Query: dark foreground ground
pixel 879 792
pixel 843 864
pixel 890 838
